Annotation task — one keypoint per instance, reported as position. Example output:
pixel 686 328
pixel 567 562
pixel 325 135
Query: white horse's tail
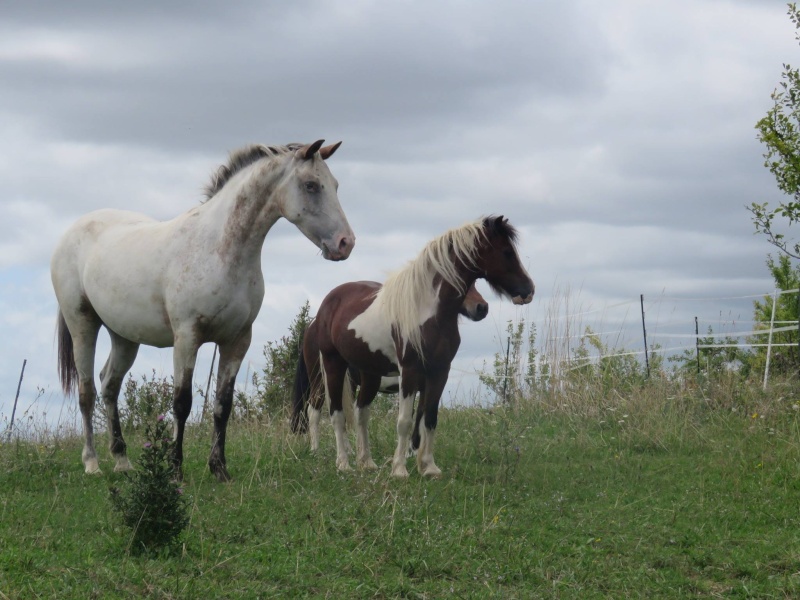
pixel 67 371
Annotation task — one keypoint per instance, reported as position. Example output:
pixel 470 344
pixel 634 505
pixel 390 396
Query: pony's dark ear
pixel 497 224
pixel 309 150
pixel 328 151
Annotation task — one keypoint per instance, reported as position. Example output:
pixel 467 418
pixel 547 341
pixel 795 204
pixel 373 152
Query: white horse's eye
pixel 312 187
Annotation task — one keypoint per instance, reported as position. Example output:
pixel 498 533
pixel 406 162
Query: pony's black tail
pixel 67 371
pixel 302 385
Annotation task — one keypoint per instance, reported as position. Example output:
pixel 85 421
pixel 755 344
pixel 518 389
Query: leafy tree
pixel 779 130
pixel 274 386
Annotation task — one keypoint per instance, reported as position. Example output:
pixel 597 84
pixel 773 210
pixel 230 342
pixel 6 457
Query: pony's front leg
pixel 333 375
pixel 120 360
pixel 429 404
pixel 184 357
pixel 408 390
pixel 230 359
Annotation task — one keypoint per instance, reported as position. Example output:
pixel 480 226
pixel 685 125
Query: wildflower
pixel 160 417
pixel 147 445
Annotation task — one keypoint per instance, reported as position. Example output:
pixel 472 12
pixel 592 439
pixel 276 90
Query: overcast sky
pixel 618 136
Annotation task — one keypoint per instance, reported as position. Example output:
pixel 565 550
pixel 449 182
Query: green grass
pixel 651 498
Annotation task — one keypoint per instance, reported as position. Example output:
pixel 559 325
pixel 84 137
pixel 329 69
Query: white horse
pixel 184 282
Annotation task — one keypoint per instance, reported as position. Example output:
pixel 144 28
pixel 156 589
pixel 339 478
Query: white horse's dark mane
pixel 240 159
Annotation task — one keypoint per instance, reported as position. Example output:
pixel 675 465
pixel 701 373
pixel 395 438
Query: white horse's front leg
pixel 403 430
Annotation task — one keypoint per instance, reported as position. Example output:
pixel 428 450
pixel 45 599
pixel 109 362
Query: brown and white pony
pixel 309 389
pixel 409 327
pixel 194 279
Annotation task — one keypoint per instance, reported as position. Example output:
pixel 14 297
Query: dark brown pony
pixel 409 327
pixel 308 381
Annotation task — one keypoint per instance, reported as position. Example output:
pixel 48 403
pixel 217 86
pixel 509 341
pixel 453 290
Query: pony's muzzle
pixel 481 310
pixel 522 298
pixel 339 248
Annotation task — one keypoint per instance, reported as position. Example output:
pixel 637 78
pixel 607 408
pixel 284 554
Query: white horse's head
pixel 309 201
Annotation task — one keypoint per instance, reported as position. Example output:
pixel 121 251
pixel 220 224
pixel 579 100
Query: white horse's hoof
pixel 343 465
pixel 368 465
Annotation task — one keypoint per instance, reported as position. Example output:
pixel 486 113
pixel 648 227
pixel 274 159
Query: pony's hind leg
pixel 230 359
pixel 370 384
pixel 120 360
pixel 333 375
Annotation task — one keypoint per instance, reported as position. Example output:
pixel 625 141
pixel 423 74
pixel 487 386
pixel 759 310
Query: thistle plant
pixel 151 502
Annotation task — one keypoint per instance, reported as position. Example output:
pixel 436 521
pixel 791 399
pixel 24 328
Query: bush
pixel 151 503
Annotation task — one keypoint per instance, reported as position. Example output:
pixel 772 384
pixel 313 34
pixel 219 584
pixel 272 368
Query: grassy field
pixel 647 495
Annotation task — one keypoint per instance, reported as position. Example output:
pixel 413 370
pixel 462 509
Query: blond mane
pixel 402 295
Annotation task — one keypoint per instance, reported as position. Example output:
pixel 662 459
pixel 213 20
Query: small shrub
pixel 151 503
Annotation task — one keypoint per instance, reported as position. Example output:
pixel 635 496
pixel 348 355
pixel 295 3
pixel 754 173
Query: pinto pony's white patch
pixel 374 329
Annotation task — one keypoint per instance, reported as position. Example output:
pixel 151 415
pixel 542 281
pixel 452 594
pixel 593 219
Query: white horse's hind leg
pixel 120 360
pixel 84 339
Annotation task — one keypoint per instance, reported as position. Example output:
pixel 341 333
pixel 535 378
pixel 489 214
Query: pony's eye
pixel 312 187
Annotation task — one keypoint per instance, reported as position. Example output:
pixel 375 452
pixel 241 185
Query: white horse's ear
pixel 328 151
pixel 309 150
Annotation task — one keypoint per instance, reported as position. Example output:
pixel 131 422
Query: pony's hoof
pixel 92 467
pixel 123 464
pixel 431 471
pixel 400 472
